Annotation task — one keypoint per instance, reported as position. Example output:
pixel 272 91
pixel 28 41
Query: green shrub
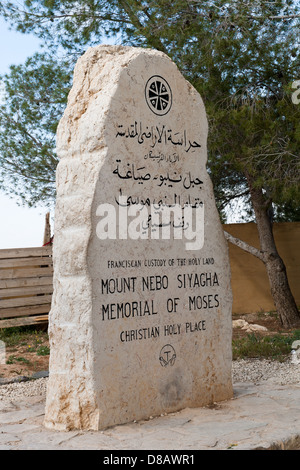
pixel 272 347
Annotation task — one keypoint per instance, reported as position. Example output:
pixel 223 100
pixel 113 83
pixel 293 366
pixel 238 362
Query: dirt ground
pixel 24 359
pixel 31 355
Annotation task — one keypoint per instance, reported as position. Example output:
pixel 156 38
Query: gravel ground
pixel 257 370
pixel 254 370
pixel 17 391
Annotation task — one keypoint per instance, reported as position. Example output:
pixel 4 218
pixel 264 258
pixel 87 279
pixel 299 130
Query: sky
pixel 19 226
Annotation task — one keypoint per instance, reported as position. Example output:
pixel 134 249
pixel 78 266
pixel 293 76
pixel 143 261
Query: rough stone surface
pixel 125 353
pixel 265 415
pixel 244 325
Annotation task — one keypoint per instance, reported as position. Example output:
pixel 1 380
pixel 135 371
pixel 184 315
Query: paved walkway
pixel 264 416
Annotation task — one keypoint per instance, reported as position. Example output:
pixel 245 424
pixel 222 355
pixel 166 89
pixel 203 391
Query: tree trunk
pixel 280 290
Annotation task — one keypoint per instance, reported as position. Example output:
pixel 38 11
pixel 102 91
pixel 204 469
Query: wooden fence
pixel 26 285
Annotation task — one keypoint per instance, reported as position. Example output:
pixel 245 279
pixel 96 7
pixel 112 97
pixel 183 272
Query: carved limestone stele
pixel 140 325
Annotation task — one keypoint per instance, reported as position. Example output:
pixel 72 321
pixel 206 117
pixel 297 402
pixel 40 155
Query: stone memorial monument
pixel 140 322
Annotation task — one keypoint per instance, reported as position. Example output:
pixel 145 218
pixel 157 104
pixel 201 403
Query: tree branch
pixel 284 17
pixel 154 41
pixel 77 14
pixel 228 199
pixel 244 246
pixel 222 9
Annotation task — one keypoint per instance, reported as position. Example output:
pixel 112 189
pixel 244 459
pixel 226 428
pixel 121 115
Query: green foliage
pixel 34 97
pixel 14 359
pixel 43 351
pixel 272 347
pixel 241 56
pixel 23 336
pixel 70 24
pixel 288 212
